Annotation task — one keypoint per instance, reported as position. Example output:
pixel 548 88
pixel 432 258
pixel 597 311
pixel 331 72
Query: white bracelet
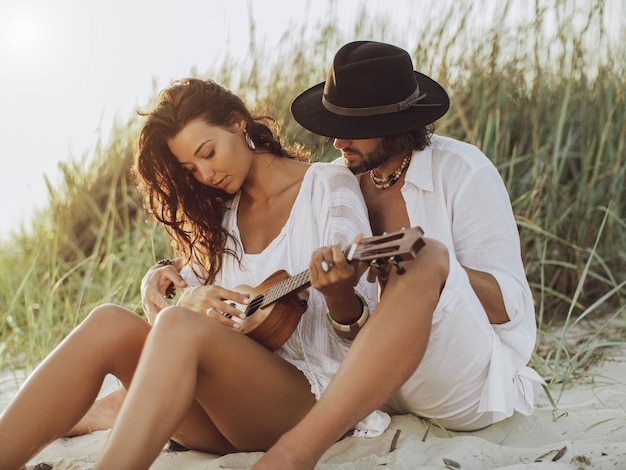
pixel 357 325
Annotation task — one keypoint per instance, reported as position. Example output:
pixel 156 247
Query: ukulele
pixel 275 308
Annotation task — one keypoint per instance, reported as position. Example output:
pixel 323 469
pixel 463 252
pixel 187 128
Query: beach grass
pixel 543 97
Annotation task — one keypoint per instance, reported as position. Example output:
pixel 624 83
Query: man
pixel 451 337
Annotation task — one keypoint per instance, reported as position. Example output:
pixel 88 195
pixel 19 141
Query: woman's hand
pixel 216 302
pixel 154 286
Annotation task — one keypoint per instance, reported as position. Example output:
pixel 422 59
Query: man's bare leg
pixel 384 354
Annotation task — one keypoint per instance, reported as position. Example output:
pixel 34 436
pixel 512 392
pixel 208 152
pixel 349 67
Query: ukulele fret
pixel 285 287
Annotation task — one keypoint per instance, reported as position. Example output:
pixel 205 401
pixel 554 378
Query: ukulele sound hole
pixel 254 305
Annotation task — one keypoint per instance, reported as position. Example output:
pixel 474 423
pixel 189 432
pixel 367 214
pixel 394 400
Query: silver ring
pixel 327 265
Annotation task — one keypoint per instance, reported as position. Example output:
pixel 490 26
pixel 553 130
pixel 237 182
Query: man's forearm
pixel 489 294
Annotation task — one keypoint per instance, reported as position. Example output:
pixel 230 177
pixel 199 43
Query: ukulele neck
pixel 289 285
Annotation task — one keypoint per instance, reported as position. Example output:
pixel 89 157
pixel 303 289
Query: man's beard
pixel 370 161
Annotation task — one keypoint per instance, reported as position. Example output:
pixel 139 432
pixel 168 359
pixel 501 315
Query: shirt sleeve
pixel 486 239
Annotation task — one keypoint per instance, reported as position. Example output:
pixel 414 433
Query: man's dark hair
pixel 408 142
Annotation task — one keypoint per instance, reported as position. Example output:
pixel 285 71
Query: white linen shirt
pixel 455 193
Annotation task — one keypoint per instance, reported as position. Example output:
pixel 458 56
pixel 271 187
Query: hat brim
pixel 308 111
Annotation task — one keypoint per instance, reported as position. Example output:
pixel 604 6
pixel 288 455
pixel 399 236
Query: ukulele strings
pixel 288 285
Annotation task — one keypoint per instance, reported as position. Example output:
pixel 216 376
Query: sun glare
pixel 23 33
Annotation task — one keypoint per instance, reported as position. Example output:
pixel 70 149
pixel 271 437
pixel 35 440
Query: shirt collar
pixel 420 170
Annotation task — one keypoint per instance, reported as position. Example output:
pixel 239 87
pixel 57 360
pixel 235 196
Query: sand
pixel 586 431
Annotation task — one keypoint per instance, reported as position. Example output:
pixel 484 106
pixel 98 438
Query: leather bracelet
pixel 170 291
pixel 357 325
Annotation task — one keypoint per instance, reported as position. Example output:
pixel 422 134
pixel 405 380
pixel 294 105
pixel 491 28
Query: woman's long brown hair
pixel 190 211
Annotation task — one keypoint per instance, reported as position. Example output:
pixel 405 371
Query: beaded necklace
pixel 386 182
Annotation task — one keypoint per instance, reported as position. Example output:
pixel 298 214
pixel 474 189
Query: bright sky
pixel 69 68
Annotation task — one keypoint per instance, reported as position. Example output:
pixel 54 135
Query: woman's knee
pixel 174 322
pixel 191 330
pixel 175 316
pixel 115 322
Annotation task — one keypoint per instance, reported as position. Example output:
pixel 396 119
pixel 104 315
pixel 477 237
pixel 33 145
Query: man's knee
pixel 429 268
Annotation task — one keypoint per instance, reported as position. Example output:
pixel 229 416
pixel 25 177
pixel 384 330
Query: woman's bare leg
pixel 251 395
pixel 196 432
pixel 382 357
pixel 101 415
pixel 66 383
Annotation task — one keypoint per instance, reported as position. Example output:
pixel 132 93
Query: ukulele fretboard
pixel 285 287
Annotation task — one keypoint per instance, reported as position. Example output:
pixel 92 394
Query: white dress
pixel 329 209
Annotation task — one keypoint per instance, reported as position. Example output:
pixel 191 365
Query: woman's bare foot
pixel 101 415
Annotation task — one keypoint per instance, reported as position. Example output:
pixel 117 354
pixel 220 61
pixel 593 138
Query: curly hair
pixel 190 211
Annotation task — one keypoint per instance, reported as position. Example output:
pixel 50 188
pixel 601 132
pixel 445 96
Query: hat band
pixel 410 102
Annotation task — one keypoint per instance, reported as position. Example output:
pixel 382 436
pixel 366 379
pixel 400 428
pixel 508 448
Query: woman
pixel 238 207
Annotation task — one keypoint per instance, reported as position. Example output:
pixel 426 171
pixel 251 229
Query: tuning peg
pixel 396 262
pixel 375 263
pixel 383 274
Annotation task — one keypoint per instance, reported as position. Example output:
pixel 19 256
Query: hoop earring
pixel 249 140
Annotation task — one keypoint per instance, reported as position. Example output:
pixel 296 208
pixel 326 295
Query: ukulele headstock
pixel 388 248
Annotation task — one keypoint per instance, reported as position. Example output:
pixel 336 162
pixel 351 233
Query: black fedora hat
pixel 371 91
